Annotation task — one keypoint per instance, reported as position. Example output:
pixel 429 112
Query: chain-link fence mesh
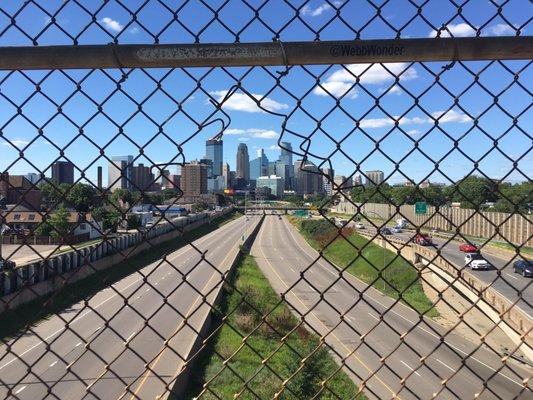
pixel 121 269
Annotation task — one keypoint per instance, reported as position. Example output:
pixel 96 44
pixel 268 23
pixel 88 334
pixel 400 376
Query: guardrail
pixel 38 278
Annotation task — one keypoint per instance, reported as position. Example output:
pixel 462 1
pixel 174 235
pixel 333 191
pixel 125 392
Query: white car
pixel 476 261
pixel 397 229
pixel 359 225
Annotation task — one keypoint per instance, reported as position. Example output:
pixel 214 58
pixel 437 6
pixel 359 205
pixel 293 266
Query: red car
pixel 468 248
pixel 423 240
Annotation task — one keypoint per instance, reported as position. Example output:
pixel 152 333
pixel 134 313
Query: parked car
pixel 359 225
pixel 524 267
pixel 385 231
pixel 397 229
pixel 423 240
pixel 476 261
pixel 468 248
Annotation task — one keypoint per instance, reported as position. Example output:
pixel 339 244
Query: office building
pixel 374 177
pixel 194 179
pixel 259 165
pixel 286 154
pixel 209 165
pixel 243 163
pixel 276 184
pixel 171 181
pixel 17 190
pixel 307 178
pixel 214 152
pixel 327 180
pixel 120 173
pixel 33 178
pixel 63 172
pixel 358 180
pixel 226 173
pixel 142 177
pixel 284 171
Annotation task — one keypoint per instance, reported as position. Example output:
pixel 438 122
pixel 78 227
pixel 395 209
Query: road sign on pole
pixel 421 207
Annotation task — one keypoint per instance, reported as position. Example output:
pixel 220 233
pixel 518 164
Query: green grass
pixel 367 260
pixel 264 343
pixel 16 321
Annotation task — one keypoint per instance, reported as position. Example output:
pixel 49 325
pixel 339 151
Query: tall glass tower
pixel 214 152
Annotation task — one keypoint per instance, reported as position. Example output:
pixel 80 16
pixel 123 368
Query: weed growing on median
pixel 257 367
pixel 366 261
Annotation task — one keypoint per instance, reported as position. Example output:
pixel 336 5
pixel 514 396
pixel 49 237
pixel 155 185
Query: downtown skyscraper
pixel 214 152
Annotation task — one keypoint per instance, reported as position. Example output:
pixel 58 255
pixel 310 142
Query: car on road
pixel 385 231
pixel 359 225
pixel 476 261
pixel 397 229
pixel 468 248
pixel 524 267
pixel 423 240
pixel 279 217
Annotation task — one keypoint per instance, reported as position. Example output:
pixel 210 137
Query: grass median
pixel 367 261
pixel 16 321
pixel 258 366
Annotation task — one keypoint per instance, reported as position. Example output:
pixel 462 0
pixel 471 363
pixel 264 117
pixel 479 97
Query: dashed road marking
pixel 408 366
pixel 20 390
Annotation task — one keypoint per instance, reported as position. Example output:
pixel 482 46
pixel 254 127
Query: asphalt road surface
pixel 500 277
pixel 395 339
pixel 94 360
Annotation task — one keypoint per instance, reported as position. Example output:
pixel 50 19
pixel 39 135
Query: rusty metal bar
pixel 274 53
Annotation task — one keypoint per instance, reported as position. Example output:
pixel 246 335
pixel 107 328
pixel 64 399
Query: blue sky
pixel 158 128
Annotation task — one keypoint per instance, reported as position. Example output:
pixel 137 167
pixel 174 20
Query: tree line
pixel 472 192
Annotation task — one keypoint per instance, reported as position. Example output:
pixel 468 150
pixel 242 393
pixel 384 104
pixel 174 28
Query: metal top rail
pixel 257 54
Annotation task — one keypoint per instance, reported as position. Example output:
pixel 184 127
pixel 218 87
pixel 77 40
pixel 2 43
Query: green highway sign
pixel 421 207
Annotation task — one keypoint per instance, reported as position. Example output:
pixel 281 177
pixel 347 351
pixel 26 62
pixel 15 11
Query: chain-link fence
pixel 387 213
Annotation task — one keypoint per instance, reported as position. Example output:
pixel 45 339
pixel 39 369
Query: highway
pixel 104 352
pixel 501 277
pixel 395 338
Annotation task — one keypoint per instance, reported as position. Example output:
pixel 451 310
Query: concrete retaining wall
pixel 515 228
pixel 39 278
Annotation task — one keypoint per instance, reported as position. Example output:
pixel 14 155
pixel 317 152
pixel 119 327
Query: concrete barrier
pixel 19 286
pixel 180 384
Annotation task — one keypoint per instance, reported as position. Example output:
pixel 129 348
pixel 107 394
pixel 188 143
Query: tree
pixel 81 197
pixel 472 191
pixel 57 225
pixel 110 218
pixel 123 196
pixel 53 195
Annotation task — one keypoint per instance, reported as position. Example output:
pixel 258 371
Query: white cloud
pixel 134 30
pixel 243 139
pixel 450 116
pixel 16 142
pixel 243 102
pixel 457 30
pixel 393 90
pixel 501 30
pixel 111 24
pixel 443 118
pixel 252 133
pixel 413 132
pixel 274 147
pixel 340 82
pixel 307 10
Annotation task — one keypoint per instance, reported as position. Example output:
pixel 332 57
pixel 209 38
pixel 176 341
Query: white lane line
pixel 373 316
pixel 178 254
pixel 54 363
pixel 20 390
pixel 446 365
pixel 406 319
pixel 511 276
pixel 78 344
pixel 129 337
pixel 408 366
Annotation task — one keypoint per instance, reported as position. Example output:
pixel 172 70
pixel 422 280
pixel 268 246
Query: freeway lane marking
pixel 446 365
pixel 54 363
pixel 180 252
pixel 129 337
pixel 406 319
pixel 20 390
pixel 350 352
pixel 373 316
pixel 512 276
pixel 180 326
pixel 408 366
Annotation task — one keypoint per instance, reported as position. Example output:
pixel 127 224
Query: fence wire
pixel 96 303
